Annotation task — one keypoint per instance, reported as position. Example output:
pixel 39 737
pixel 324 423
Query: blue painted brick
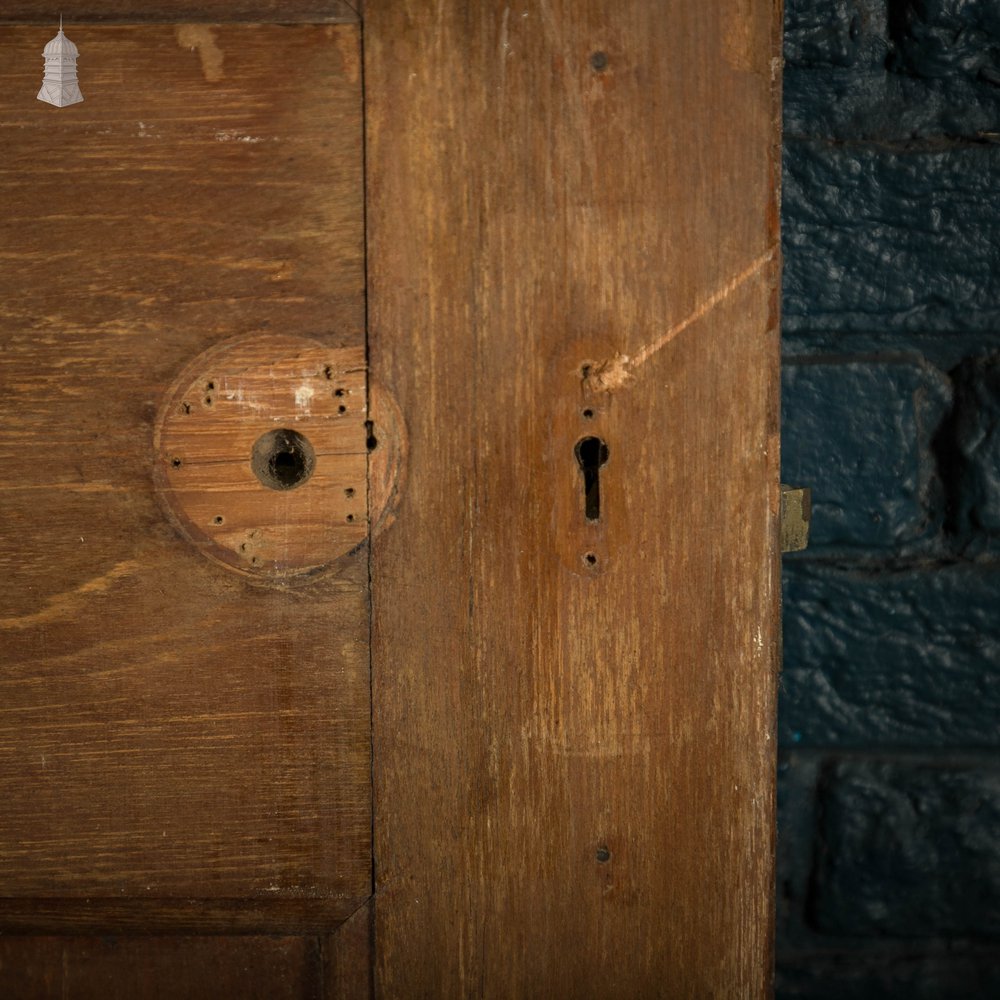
pixel 969 976
pixel 908 850
pixel 889 240
pixel 905 659
pixel 867 69
pixel 977 443
pixel 860 434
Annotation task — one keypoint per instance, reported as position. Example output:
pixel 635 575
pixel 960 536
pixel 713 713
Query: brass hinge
pixel 796 510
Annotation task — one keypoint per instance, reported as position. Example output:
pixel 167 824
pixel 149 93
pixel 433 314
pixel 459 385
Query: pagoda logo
pixel 60 87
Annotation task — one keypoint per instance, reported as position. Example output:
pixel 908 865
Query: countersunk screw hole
pixel 371 441
pixel 603 855
pixel 599 61
pixel 588 414
pixel 282 459
pixel 590 559
pixel 342 408
pixel 338 392
pixel 350 518
pixel 218 519
pixel 176 463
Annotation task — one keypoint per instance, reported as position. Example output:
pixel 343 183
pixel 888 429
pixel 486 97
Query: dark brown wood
pixel 75 915
pixel 175 11
pixel 169 732
pixel 349 958
pixel 572 233
pixel 160 968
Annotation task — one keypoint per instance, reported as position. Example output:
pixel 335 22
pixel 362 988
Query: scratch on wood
pixel 61 605
pixel 202 38
pixel 617 372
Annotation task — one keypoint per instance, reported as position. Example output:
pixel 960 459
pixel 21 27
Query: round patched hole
pixel 282 459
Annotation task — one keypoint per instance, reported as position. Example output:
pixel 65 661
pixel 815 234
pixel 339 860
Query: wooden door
pixel 185 729
pixel 390 494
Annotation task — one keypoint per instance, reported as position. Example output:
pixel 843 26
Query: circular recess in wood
pixel 263 451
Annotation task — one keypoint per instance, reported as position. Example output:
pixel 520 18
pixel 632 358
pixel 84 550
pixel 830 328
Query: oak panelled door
pixel 388 498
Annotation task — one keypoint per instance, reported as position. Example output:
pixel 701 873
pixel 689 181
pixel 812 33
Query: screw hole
pixel 210 386
pixel 603 855
pixel 590 559
pixel 176 463
pixel 349 492
pixel 599 61
pixel 350 518
pixel 218 519
pixel 338 392
pixel 341 409
pixel 208 400
pixel 588 414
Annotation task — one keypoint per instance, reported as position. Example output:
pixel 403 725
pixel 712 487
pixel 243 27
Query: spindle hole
pixel 282 459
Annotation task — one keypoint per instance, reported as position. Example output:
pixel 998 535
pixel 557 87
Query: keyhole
pixel 591 453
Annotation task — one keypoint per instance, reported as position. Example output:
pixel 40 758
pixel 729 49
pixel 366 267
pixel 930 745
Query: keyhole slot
pixel 591 454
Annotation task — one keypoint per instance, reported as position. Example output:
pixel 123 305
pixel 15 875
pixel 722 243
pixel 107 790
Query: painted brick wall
pixel 889 777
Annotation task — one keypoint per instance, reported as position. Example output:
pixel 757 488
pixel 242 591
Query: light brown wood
pixel 172 11
pixel 572 233
pixel 173 739
pixel 284 413
pixel 160 968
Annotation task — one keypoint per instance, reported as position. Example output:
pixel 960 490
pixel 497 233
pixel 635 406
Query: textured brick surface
pixel 905 659
pixel 859 433
pixel 977 437
pixel 889 716
pixel 892 71
pixel 899 241
pixel 904 977
pixel 909 850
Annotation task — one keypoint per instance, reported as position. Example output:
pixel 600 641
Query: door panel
pixel 160 968
pixel 554 644
pixel 573 235
pixel 180 745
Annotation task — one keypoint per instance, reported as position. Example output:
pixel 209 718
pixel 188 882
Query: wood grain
pixel 278 914
pixel 574 718
pixel 160 968
pixel 191 11
pixel 168 732
pixel 261 455
pixel 349 957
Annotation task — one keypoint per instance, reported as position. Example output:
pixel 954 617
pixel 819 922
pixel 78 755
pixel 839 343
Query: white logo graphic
pixel 59 87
